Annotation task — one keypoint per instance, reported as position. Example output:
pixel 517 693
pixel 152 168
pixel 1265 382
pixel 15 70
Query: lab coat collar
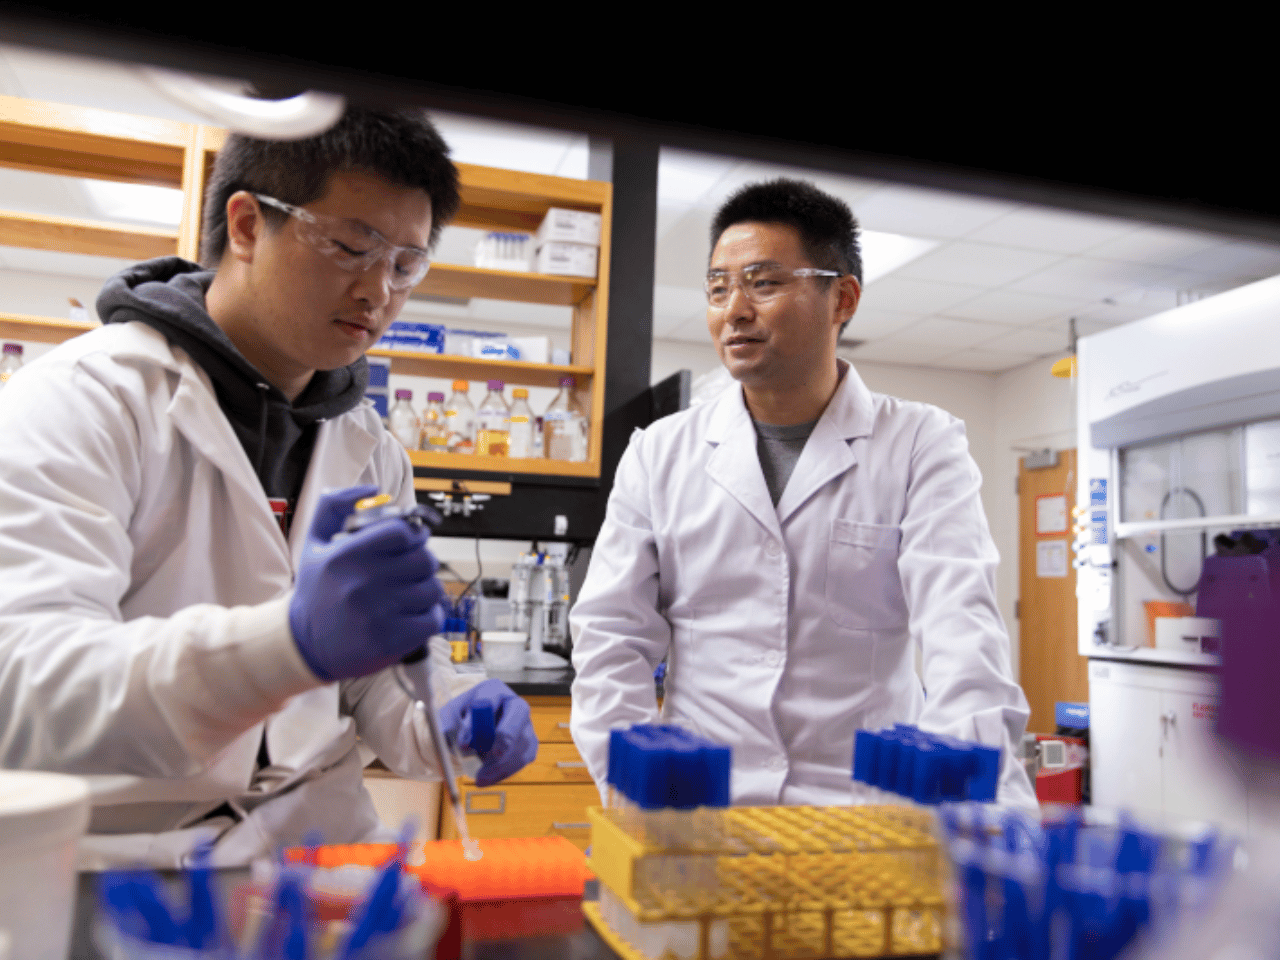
pixel 735 465
pixel 829 452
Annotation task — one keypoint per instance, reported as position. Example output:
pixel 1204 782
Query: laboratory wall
pixel 1033 410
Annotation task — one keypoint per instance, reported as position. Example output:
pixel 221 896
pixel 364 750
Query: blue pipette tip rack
pixel 928 768
pixel 658 766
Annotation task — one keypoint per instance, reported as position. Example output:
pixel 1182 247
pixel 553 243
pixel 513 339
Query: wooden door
pixel 1051 667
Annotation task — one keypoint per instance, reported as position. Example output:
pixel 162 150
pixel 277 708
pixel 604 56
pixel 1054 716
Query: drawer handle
pixel 570 826
pixel 571 764
pixel 562 726
pixel 500 794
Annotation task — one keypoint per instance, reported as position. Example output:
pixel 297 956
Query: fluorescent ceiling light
pixel 884 253
pixel 132 201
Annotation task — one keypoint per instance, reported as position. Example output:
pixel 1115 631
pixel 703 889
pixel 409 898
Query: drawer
pixel 555 763
pixel 550 717
pixel 526 810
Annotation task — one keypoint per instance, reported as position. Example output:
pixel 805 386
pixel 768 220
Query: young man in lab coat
pixel 177 621
pixel 789 545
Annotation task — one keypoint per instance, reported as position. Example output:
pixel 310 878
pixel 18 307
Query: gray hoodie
pixel 169 294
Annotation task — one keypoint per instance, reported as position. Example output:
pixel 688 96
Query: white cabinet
pixel 1153 748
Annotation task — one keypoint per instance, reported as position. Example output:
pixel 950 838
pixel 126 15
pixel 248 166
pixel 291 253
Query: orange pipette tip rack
pixel 521 886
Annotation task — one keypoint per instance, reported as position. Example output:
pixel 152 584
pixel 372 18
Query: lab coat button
pixel 773 658
pixel 771 548
pixel 777 763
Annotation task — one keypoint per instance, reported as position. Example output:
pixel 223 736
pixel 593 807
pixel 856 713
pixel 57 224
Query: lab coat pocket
pixel 864 591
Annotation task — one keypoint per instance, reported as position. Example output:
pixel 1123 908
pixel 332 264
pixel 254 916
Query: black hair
pixel 827 227
pixel 401 146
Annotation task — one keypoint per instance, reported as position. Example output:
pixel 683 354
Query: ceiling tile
pixel 927 213
pixel 1085 326
pixel 849 189
pixel 1239 258
pixel 917 296
pixel 510 145
pixel 984 264
pixel 574 162
pixel 1036 341
pixel 1006 306
pixel 983 361
pixel 949 334
pixel 682 251
pixel 685 177
pixel 894 351
pixel 1057 231
pixel 1156 245
pixel 1091 279
pixel 869 323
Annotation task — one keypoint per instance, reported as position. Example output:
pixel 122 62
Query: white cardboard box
pixel 567 259
pixel 569 226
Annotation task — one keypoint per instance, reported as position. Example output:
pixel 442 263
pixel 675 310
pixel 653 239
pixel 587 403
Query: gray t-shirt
pixel 779 448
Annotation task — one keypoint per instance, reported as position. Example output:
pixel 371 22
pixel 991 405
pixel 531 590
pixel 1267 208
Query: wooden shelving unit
pixel 99 144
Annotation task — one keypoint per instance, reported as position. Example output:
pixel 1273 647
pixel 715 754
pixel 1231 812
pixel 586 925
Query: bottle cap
pixel 13 348
pixel 404 394
pixel 567 382
pixel 496 385
pixel 435 398
pixel 461 385
pixel 520 393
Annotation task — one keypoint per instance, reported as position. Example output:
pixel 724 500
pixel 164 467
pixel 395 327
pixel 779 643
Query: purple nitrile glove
pixel 362 603
pixel 514 743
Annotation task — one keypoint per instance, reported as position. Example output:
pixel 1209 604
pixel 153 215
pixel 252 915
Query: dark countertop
pixel 538 683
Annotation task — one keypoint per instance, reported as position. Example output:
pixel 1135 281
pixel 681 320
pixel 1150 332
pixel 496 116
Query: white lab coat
pixel 789 629
pixel 144 589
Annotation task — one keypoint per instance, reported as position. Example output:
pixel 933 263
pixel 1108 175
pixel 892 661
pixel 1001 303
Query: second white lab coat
pixel 787 629
pixel 144 590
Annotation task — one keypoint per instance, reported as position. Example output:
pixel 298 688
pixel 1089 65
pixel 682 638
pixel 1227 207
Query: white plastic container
pixel 503 650
pixel 42 818
pixel 569 226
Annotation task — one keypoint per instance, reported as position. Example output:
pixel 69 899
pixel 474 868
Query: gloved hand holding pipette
pixel 367 598
pixel 363 602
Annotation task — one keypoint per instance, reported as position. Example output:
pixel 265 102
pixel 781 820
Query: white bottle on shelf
pixel 460 418
pixel 403 422
pixel 520 441
pixel 565 426
pixel 493 422
pixel 11 362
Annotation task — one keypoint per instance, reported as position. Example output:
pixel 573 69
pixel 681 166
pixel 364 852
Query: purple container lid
pixel 404 394
pixel 435 398
pixel 13 348
pixel 568 382
pixel 496 384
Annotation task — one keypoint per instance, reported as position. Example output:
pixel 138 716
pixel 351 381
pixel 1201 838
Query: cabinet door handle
pixel 555 825
pixel 500 794
pixel 571 764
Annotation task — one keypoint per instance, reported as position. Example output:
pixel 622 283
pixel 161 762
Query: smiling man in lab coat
pixel 177 621
pixel 789 545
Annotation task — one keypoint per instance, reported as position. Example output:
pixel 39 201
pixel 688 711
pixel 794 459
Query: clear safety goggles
pixel 354 247
pixel 760 282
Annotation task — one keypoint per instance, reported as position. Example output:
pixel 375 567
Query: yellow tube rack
pixel 768 883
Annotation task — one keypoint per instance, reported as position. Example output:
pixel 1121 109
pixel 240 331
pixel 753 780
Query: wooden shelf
pixel 494 199
pixel 485 464
pixel 456 280
pixel 69 235
pixel 18 326
pixel 448 366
